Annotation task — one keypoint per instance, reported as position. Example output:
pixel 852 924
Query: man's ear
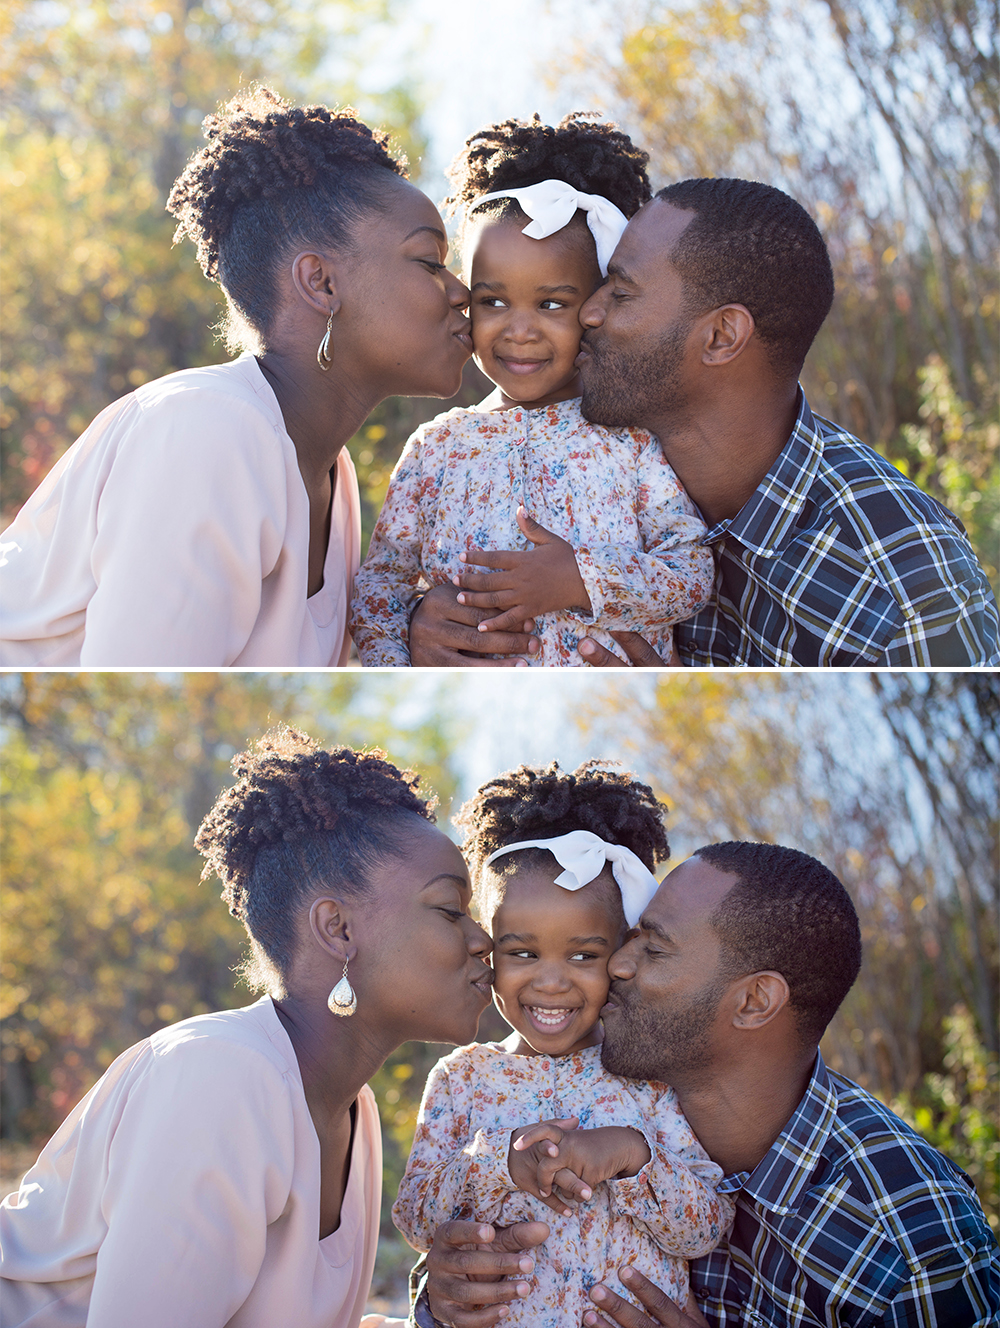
pixel 727 332
pixel 761 999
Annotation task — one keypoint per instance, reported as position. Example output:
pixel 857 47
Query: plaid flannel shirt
pixel 839 559
pixel 851 1220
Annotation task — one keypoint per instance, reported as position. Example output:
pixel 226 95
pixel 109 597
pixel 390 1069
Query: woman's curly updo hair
pixel 594 157
pixel 529 803
pixel 273 179
pixel 297 821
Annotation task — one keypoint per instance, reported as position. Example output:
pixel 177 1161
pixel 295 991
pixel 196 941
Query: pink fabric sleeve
pixel 449 1175
pixel 673 1198
pixel 200 1161
pixel 190 522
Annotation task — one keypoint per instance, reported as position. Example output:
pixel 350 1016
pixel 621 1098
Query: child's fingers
pixel 551 1130
pixel 570 1186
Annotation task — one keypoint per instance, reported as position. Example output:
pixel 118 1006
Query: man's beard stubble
pixel 634 388
pixel 643 1043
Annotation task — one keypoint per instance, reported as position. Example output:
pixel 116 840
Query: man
pixel 843 1214
pixel 825 553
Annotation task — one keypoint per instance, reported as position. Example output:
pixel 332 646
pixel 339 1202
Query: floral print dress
pixel 656 1220
pixel 610 493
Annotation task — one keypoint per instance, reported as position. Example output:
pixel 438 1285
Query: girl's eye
pixel 584 954
pixel 520 954
pixel 552 304
pixel 492 302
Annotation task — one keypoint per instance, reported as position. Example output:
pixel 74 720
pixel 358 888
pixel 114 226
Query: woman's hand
pixel 571 1161
pixel 663 1313
pixel 526 582
pixel 443 635
pixel 639 652
pixel 469 1267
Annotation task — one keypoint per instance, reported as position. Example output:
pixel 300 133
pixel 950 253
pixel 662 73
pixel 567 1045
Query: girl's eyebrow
pixel 512 936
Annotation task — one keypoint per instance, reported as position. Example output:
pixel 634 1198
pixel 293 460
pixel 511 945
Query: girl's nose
pixel 551 978
pixel 521 328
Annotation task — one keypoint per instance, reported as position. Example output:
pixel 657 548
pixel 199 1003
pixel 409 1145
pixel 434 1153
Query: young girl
pixel 588 528
pixel 562 867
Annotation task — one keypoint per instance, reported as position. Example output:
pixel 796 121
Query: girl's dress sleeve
pixel 191 521
pixel 450 1174
pixel 674 1198
pixel 670 577
pixel 390 581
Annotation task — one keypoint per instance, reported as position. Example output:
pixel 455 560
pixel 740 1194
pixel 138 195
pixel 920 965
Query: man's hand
pixel 663 1313
pixel 561 1164
pixel 442 631
pixel 467 1265
pixel 639 652
pixel 526 582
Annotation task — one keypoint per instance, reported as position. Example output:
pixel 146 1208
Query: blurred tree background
pixel 890 779
pixel 882 116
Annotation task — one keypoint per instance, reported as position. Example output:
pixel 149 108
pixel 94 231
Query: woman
pixel 227 1171
pixel 212 517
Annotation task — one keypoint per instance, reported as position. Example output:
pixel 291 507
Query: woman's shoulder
pixel 245 1035
pixel 216 389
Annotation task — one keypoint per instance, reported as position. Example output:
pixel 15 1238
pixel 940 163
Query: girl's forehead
pixel 501 247
pixel 533 896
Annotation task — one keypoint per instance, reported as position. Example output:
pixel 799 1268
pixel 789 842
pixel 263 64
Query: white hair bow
pixel 551 205
pixel 583 855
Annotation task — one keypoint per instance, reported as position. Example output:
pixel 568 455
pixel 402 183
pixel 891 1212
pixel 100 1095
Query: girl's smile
pixel 550 954
pixel 525 304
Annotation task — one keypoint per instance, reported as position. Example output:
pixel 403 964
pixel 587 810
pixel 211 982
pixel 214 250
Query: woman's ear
pixel 330 928
pixel 763 997
pixel 314 279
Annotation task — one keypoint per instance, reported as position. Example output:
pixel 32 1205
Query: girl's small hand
pixel 526 582
pixel 534 1149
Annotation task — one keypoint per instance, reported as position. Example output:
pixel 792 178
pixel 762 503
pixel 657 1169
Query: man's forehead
pixel 648 240
pixel 689 895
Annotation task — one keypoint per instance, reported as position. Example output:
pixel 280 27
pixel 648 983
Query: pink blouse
pixel 184 1190
pixel 175 533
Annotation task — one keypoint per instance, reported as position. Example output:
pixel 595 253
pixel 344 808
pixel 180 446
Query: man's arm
pixel 441 629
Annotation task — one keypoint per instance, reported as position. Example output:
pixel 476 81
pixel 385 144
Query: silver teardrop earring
pixel 342 999
pixel 324 356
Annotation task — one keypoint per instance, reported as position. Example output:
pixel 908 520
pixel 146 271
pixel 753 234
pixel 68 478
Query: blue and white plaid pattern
pixel 851 1220
pixel 839 559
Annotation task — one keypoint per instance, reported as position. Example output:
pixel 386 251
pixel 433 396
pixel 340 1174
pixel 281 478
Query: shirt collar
pixel 766 520
pixel 785 1172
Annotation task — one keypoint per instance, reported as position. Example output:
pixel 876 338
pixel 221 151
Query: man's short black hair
pixel 751 244
pixel 789 914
